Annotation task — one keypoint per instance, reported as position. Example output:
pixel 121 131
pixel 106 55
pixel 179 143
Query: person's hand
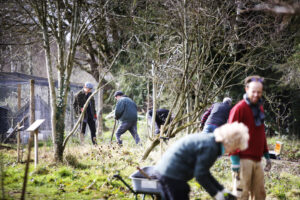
pixel 224 195
pixel 95 116
pixel 268 165
pixel 229 196
pixel 219 196
pixel 81 109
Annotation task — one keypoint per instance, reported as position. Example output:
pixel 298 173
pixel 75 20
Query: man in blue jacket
pixel 126 113
pixel 216 115
pixel 193 156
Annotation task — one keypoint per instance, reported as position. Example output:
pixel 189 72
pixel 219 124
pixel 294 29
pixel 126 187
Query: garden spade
pixel 113 131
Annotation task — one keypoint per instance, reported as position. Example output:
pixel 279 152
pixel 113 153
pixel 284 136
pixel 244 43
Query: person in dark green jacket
pixel 193 156
pixel 126 113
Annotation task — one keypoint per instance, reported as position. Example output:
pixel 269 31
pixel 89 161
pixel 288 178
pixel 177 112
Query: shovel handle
pixel 143 173
pixel 113 131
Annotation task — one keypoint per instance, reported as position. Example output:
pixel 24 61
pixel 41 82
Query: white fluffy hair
pixel 234 135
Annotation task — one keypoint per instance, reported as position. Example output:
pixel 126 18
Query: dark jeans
pixel 128 126
pixel 92 126
pixel 173 189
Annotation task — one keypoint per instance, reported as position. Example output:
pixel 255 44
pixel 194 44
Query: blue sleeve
pixel 235 159
pixel 267 155
pixel 119 109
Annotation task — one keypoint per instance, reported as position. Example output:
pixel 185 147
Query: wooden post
pixel 36 146
pixel 26 168
pixel 32 102
pixel 19 96
pixel 32 108
pixel 18 142
pixel 32 118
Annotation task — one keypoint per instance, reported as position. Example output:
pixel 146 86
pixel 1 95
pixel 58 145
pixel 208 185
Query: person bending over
pixel 193 156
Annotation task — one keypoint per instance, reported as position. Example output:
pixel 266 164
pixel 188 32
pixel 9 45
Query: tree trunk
pixel 154 99
pixel 29 59
pixel 60 129
pixel 100 112
pixel 185 58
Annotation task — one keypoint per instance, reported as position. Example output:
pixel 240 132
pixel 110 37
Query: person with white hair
pixel 193 156
pixel 216 115
pixel 90 113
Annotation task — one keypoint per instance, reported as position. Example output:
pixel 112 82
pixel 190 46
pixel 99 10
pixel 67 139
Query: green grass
pixel 87 171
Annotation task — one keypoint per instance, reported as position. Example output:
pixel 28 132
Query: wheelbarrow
pixel 144 182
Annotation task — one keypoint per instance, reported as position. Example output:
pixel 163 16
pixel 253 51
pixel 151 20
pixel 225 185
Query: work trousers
pixel 128 126
pixel 92 127
pixel 172 189
pixel 252 180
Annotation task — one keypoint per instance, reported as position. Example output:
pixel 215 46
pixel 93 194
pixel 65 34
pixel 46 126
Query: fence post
pixel 18 142
pixel 32 118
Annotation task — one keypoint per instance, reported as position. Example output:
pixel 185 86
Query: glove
pixel 268 165
pixel 229 196
pixel 219 196
pixel 224 195
pixel 95 116
pixel 235 163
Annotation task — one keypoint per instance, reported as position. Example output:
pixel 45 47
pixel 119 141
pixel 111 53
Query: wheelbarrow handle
pixel 117 176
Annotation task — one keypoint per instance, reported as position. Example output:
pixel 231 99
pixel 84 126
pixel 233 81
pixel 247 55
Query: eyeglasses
pixel 254 79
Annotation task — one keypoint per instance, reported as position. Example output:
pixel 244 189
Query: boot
pixel 94 141
pixel 81 138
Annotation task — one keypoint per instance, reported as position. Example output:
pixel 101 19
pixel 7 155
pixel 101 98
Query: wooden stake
pixel 18 142
pixel 26 168
pixel 36 146
pixel 32 119
pixel 32 102
pixel 19 96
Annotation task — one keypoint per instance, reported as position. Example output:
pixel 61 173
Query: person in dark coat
pixel 193 156
pixel 216 115
pixel 160 118
pixel 89 114
pixel 126 113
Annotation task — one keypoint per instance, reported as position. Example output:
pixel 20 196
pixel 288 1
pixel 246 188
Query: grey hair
pixel 227 100
pixel 235 135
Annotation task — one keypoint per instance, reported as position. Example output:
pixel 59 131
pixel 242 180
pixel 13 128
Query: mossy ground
pixel 87 171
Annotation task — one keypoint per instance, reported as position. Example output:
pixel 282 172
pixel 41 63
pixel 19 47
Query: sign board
pixel 278 147
pixel 35 125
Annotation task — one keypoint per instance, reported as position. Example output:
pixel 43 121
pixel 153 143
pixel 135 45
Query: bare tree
pixel 211 54
pixel 62 25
